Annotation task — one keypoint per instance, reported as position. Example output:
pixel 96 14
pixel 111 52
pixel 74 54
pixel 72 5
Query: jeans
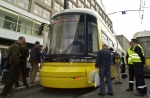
pixel 105 71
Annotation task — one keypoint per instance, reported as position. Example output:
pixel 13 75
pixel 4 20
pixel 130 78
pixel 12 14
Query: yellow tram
pixel 68 65
pixel 143 38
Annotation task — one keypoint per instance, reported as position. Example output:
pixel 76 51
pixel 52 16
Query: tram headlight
pixel 82 60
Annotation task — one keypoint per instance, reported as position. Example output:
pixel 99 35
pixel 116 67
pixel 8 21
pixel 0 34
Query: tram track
pixel 53 92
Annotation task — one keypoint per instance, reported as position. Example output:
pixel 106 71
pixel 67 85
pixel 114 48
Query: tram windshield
pixel 67 31
pixel 145 43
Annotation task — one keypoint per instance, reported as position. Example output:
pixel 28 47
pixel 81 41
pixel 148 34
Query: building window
pixel 61 8
pixel 41 12
pixel 12 1
pixel 46 14
pixel 73 6
pixel 92 1
pixel 92 8
pixel 58 7
pixel 23 4
pixel 62 1
pixel 97 8
pixel 70 4
pixel 37 10
pixel 100 11
pixel 80 4
pixel 48 2
pixel 87 3
pixel 104 38
pixel 111 44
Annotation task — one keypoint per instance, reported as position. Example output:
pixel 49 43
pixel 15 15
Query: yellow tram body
pixel 76 74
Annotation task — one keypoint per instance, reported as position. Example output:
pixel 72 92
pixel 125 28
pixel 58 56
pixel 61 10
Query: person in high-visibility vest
pixel 138 60
pixel 131 70
pixel 123 71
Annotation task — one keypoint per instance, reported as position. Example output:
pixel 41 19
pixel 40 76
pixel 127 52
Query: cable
pixel 103 5
pixel 143 11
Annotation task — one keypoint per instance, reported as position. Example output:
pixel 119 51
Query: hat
pixel 111 49
pixel 134 40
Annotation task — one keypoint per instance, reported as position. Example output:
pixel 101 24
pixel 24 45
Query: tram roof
pixel 141 34
pixel 81 10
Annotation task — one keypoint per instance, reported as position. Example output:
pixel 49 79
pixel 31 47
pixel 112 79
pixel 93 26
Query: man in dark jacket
pixel 103 62
pixel 13 53
pixel 34 60
pixel 23 62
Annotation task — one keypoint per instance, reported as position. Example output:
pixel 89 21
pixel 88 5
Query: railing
pixel 15 26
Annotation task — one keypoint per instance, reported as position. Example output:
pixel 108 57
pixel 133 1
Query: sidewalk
pixel 119 91
pixel 21 84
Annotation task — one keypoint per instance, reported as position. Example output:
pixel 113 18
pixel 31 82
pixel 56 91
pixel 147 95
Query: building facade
pixel 124 42
pixel 24 17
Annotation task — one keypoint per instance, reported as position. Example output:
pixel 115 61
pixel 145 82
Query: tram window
pixel 104 38
pixel 92 34
pixel 92 38
pixel 145 43
pixel 67 35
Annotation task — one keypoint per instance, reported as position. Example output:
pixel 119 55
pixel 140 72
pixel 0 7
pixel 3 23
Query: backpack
pixel 117 58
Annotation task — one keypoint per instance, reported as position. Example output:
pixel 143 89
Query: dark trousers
pixel 23 73
pixel 5 76
pixel 131 76
pixel 140 82
pixel 123 70
pixel 12 78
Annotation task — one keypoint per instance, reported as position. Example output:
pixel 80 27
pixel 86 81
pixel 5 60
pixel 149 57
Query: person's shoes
pixel 145 93
pixel 111 94
pixel 10 95
pixel 27 85
pixel 115 82
pixel 129 89
pixel 17 86
pixel 101 94
pixel 138 94
pixel 11 89
pixel 119 82
pixel 126 76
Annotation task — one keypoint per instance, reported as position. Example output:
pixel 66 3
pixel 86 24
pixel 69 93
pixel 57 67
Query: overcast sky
pixel 129 23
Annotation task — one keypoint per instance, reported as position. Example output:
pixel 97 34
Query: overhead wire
pixel 143 12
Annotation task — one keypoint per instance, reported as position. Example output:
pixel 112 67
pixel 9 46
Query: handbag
pixel 92 76
pixel 97 79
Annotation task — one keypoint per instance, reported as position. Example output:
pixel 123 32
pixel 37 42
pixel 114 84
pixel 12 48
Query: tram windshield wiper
pixel 61 55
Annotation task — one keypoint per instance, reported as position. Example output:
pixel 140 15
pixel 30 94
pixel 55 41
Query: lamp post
pixel 66 4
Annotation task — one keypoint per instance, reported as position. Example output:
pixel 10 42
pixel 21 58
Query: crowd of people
pixel 17 57
pixel 17 62
pixel 135 61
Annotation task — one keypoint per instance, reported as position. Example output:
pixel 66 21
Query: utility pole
pixel 66 4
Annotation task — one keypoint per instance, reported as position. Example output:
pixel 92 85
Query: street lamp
pixel 66 4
